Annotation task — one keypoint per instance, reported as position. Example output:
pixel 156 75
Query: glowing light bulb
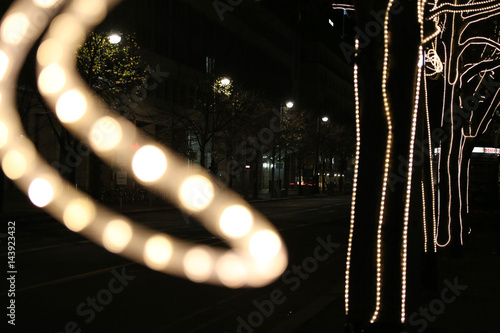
pixel 265 245
pixel 14 164
pixel 198 264
pixel 52 79
pixel 105 134
pixel 41 192
pixel 14 28
pixel 71 106
pixel 231 270
pixel 78 214
pixel 196 193
pixel 236 221
pixel 157 252
pixel 116 236
pixel 149 163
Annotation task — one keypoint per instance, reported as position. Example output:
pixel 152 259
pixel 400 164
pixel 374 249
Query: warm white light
pixel 157 252
pixel 46 3
pixel 149 163
pixel 78 214
pixel 71 106
pixel 92 9
pixel 324 119
pixel 14 164
pixel 116 236
pixel 4 63
pixel 198 264
pixel 289 105
pixel 14 28
pixel 114 39
pixel 265 245
pixel 40 192
pixel 52 79
pixel 4 134
pixel 231 270
pixel 236 221
pixel 50 51
pixel 105 134
pixel 225 81
pixel 197 193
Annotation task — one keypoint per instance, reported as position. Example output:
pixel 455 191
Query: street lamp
pixel 114 38
pixel 316 174
pixel 225 81
pixel 283 106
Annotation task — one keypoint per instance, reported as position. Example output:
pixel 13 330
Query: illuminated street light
pixel 225 81
pixel 289 104
pixel 324 119
pixel 114 38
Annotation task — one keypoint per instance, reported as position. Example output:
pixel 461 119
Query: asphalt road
pixel 65 283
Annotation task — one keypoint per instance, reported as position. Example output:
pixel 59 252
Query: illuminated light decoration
pixel 198 264
pixel 4 63
pixel 404 260
pixel 433 62
pixel 259 255
pixel 116 236
pixel 14 28
pixel 231 270
pixel 158 252
pixel 149 164
pixel 46 3
pixel 463 8
pixel 4 134
pixel 354 185
pixel 424 218
pixel 41 192
pixel 79 214
pixel 14 164
pixel 236 221
pixel 105 134
pixel 468 13
pixel 265 245
pixel 49 51
pixel 196 193
pixel 52 79
pixel 431 166
pixel 387 108
pixel 71 106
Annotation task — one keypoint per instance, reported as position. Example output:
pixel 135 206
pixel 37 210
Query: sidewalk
pixel 18 206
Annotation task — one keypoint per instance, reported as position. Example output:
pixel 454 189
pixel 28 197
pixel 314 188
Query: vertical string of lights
pixel 354 182
pixel 257 254
pixel 431 166
pixel 420 65
pixel 387 109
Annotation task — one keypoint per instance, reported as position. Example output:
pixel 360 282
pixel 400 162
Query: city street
pixel 67 284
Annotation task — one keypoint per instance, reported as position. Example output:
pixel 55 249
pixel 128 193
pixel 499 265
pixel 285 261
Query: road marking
pixel 72 278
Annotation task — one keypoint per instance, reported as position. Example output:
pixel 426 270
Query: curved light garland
pixel 257 255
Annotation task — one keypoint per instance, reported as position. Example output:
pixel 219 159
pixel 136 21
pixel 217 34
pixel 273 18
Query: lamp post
pixel 284 106
pixel 316 175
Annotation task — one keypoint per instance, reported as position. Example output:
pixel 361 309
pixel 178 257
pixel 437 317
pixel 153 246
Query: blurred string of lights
pixel 257 254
